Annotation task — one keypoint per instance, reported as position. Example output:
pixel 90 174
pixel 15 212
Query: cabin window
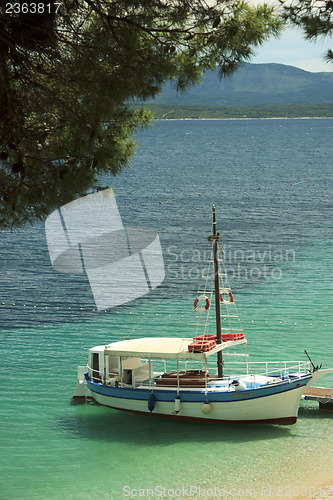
pixel 113 365
pixel 127 377
pixel 95 366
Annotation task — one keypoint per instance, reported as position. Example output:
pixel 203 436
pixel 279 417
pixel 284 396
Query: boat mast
pixel 215 238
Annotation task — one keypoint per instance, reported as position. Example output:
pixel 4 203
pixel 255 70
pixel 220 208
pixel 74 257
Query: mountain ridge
pixel 254 84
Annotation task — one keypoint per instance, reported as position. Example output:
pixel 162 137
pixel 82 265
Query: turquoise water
pixel 278 242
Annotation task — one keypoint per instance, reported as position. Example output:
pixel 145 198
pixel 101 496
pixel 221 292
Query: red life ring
pixel 226 292
pixel 202 308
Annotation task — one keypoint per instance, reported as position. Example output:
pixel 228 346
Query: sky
pixel 292 49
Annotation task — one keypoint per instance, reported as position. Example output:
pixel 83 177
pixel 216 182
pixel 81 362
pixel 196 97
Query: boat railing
pixel 115 379
pixel 94 375
pixel 232 369
pixel 267 368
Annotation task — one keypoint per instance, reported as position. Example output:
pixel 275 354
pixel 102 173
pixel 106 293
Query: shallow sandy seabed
pixel 323 490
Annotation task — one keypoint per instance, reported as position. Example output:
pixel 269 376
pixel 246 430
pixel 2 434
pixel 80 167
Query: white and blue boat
pixel 205 377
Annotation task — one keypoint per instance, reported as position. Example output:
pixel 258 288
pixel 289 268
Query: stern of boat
pixel 81 391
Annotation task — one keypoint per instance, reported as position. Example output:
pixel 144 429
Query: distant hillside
pixel 253 85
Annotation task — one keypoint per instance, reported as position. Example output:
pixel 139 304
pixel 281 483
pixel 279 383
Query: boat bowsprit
pixel 205 377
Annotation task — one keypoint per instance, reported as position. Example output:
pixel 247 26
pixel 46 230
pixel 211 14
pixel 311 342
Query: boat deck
pixel 190 378
pixel 197 378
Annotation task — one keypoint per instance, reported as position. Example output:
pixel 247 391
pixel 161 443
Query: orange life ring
pixel 202 308
pixel 226 292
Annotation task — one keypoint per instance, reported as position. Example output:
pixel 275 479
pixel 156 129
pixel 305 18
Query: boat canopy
pixel 163 348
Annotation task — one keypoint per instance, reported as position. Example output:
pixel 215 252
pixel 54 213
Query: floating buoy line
pixel 160 201
pixel 312 179
pixel 52 308
pixel 198 195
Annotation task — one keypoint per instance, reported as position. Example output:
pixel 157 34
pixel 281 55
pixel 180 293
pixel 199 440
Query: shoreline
pixel 248 118
pixel 241 112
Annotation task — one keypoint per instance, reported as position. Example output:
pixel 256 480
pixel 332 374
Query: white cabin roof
pixel 163 348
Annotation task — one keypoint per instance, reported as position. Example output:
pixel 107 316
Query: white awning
pixel 163 348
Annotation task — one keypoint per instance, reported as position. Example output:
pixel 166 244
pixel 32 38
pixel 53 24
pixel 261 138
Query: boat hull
pixel 275 404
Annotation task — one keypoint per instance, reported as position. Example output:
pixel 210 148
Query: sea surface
pixel 272 184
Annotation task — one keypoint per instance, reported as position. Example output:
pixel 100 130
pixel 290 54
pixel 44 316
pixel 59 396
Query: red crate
pixel 203 346
pixel 232 336
pixel 205 337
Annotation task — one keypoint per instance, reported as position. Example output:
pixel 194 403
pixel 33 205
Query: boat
pixel 203 377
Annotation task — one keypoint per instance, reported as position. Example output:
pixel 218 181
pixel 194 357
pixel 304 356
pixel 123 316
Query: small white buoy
pixel 206 408
pixel 177 404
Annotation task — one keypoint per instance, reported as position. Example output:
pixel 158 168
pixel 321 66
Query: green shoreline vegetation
pixel 178 112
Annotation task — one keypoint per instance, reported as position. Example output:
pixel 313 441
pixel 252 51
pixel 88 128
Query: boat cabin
pixel 132 363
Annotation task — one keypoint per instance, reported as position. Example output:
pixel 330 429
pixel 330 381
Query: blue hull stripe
pixel 193 397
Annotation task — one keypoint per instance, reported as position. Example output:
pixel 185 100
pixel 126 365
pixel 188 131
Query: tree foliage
pixel 69 72
pixel 315 17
